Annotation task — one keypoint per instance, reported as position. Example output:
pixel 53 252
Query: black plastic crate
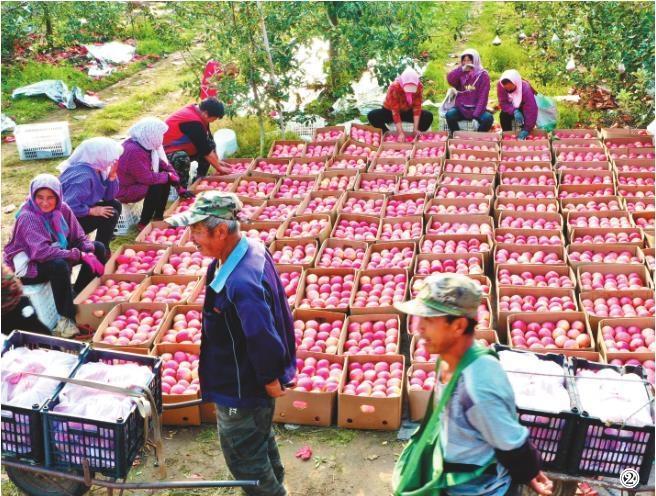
pixel 22 430
pixel 109 447
pixel 551 433
pixel 606 449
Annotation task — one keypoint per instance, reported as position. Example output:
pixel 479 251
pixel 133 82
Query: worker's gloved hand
pixel 523 134
pixel 174 178
pixel 184 192
pixel 93 263
pixel 519 117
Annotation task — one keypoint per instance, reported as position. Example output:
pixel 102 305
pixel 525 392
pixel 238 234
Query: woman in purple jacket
pixel 47 241
pixel 517 101
pixel 90 185
pixel 144 172
pixel 472 83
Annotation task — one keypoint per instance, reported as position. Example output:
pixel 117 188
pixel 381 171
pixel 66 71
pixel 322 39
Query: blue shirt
pixel 83 188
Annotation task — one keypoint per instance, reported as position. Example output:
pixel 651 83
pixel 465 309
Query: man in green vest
pixel 470 442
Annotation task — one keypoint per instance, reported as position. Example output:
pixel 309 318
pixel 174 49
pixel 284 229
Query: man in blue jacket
pixel 248 352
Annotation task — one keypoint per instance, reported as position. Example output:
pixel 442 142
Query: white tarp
pixel 113 52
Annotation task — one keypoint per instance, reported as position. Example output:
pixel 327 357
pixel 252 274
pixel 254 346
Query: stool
pixel 42 300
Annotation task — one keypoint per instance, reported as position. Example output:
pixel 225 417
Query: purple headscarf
pixel 54 221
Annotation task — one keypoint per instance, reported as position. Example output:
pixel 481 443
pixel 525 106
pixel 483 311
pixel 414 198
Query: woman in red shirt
pixel 403 104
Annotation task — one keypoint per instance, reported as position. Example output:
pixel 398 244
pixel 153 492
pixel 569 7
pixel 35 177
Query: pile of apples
pixel 541 180
pixel 111 291
pixel 180 373
pixel 320 337
pixel 186 328
pixel 280 212
pixel 372 337
pixel 165 235
pixel 240 166
pixel 253 188
pixel 589 156
pixel 248 210
pixel 402 208
pixel 474 145
pixel 363 206
pixel 379 185
pixel 424 169
pixel 287 150
pixel 294 188
pixel 561 334
pixel 445 193
pixel 470 168
pixel 651 261
pixel 290 282
pixel 600 222
pixel 648 367
pixel 336 183
pixel 306 228
pixel 428 152
pixel 439 227
pixel 535 157
pixel 537 147
pixel 380 291
pixel 528 239
pixel 523 167
pixel 635 181
pixel 622 338
pixel 421 380
pixel 529 207
pixel 327 291
pixel 279 169
pixel 539 257
pixel 366 136
pixel 186 263
pixel 462 181
pixel 577 179
pixel 634 168
pixel 312 168
pixel 360 150
pixel 529 303
pixel 390 258
pixel 590 256
pixel 576 134
pixel 632 155
pixel 639 206
pixel 349 163
pixel 609 238
pixel 395 153
pixel 167 292
pixel 644 223
pixel 526 278
pixel 401 231
pixel 388 167
pixel 183 204
pixel 421 354
pixel 374 379
pixel 358 230
pixel 622 306
pixel 417 185
pixel 394 138
pixel 599 280
pixel 213 184
pixel 432 137
pixel 302 253
pixel 593 206
pixel 329 135
pixel 520 223
pixel 612 145
pixel 138 261
pixel 342 257
pixel 263 234
pixel 587 194
pixel 317 376
pixel 589 144
pixel 133 327
pixel 470 265
pixel 530 137
pixel 450 246
pixel 534 195
pixel 320 150
pixel 468 156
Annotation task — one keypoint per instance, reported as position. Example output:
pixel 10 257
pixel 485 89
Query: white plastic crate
pixel 42 300
pixel 463 125
pixel 408 127
pixel 128 218
pixel 43 141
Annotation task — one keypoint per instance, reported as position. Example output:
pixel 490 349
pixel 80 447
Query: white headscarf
pixel 100 153
pixel 516 96
pixel 149 133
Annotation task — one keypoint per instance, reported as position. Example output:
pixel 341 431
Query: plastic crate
pixel 43 141
pixel 22 429
pixel 109 447
pixel 551 433
pixel 129 217
pixel 463 125
pixel 43 301
pixel 606 449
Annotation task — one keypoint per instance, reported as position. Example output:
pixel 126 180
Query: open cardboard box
pixel 365 127
pixel 646 177
pixel 622 153
pixel 455 191
pixel 413 219
pixel 326 129
pixel 390 181
pixel 271 227
pixel 366 196
pixel 544 178
pixel 198 295
pixel 508 142
pixel 430 167
pixel 502 316
pixel 511 191
pixel 344 243
pixel 582 204
pixel 224 183
pixel 629 141
pixel 388 165
pixel 576 234
pixel 572 217
pixel 331 144
pixel 578 133
pixel 621 132
pixel 566 176
pixel 357 310
pixel 480 220
pixel 282 269
pixel 476 135
pixel 513 205
pixel 290 204
pixel 547 216
pixel 279 244
pixel 628 164
pixel 240 165
pixel 480 180
pixel 473 155
pixel 412 184
pixel 112 265
pixel 447 256
pixel 407 197
pixel 370 150
pixel 616 269
pixel 379 246
pixel 338 195
pixel 300 144
pixel 182 281
pixel 378 315
pixel 423 145
pixel 542 317
pixel 168 322
pixel 598 165
pixel 337 164
pixel 435 203
pixel 590 191
pixel 403 147
pixel 324 272
pixel 177 250
pixel 323 233
pixel 535 269
pixel 183 232
pixel 259 179
pixel 187 416
pixel 475 166
pixel 142 348
pixel 512 135
pixel 630 203
pixel 537 166
pixel 483 238
pixel 649 252
pixel 591 143
pixel 641 322
pixel 472 142
pixel 308 408
pixel 544 157
pixel 594 319
pixel 418 399
pixel 515 248
pixel 176 205
pixel 361 412
pixel 327 175
pixel 250 208
pixel 370 219
pixel 321 317
pixel 309 181
pixel 297 164
pixel 599 248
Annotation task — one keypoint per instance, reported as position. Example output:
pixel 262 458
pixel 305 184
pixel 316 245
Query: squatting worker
pixel 470 441
pixel 248 351
pixel 403 104
pixel 517 100
pixel 189 138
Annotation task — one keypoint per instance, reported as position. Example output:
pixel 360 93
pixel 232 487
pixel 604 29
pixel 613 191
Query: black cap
pixel 212 107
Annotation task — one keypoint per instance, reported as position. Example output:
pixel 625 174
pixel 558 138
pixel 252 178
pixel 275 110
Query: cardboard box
pixel 207 413
pixel 419 146
pixel 535 269
pixel 479 136
pixel 541 154
pixel 282 269
pixel 321 317
pixel 624 178
pixel 513 205
pixel 621 153
pixel 480 180
pixel 641 322
pixel 279 244
pixel 630 203
pixel 407 148
pixel 432 137
pixel 173 208
pixel 112 264
pixel 547 216
pixel 472 155
pixel 646 253
pixel 226 183
pixel 335 164
pixel 259 179
pixel 453 142
pixel 370 219
pixel 446 256
pixel 120 309
pixel 587 143
pixel 509 191
pixel 537 166
pixel 240 165
pixel 512 135
pixel 646 192
pixel 339 195
pixel 480 220
pixel 327 175
pixel 457 203
pixel 305 408
pixel 412 184
pixel 543 317
pixel 324 272
pixel 406 197
pixel 457 166
pixel 158 279
pixel 297 143
pixel 579 133
pixel 187 416
pixel 309 181
pixel 379 246
pixel 413 219
pixel 176 250
pixel 523 291
pixel 168 324
pixel 566 176
pixel 629 141
pixel 390 180
pixel 325 145
pixel 388 165
pixel 507 143
pixel 589 191
pixel 271 227
pixel 499 232
pixel 284 162
pixel 628 164
pixel 293 205
pixel 434 169
pixel 621 132
pixel 377 315
pixel 601 165
pixel 198 296
pixel 641 270
pixel 92 314
pixel 343 243
pixel 326 129
pixel 370 150
pixel 576 234
pixel 454 191
pixel 598 248
pixel 142 237
pixel 514 248
pixel 365 127
pixel 323 234
pixel 250 208
pixel 296 167
pixel 360 412
pixel 581 204
pixel 544 178
pixel 363 195
pixel 418 399
pixel 358 310
pixel 483 238
pixel 631 293
pixel 572 217
pixel 414 342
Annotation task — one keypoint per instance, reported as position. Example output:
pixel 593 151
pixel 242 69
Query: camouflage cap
pixel 208 203
pixel 445 294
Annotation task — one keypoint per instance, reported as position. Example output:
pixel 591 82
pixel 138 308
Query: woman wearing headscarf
pixel 47 241
pixel 144 172
pixel 403 104
pixel 90 186
pixel 517 102
pixel 472 83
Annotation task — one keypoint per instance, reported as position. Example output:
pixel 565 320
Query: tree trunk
pixel 47 19
pixel 333 49
pixel 260 116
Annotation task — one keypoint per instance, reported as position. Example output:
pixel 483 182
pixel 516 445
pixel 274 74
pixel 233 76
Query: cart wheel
pixel 35 484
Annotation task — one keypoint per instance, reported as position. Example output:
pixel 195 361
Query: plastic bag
pixel 547 113
pixel 449 101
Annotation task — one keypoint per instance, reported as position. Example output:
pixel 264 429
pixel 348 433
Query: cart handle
pixel 182 404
